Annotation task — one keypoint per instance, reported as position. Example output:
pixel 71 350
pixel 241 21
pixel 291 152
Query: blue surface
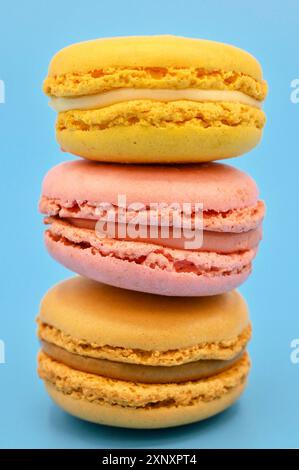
pixel 30 33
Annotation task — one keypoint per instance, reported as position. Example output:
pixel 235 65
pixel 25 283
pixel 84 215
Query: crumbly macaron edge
pixel 177 78
pixel 232 220
pixel 97 389
pixel 196 263
pixel 145 113
pixel 224 350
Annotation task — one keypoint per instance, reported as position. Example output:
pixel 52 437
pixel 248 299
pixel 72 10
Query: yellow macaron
pixel 156 99
pixel 135 360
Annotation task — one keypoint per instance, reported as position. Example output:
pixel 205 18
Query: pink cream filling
pixel 227 233
pixel 219 242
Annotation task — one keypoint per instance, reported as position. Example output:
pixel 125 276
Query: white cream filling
pixel 120 95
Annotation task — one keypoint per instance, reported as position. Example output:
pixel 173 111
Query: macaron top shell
pixel 153 51
pixel 219 187
pixel 105 315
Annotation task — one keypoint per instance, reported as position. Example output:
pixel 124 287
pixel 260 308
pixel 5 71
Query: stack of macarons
pixel 152 333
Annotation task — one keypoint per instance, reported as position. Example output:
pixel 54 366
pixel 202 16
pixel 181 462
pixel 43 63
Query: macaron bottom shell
pixel 108 401
pixel 175 144
pixel 139 277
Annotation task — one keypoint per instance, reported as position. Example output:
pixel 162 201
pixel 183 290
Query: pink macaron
pixel 169 230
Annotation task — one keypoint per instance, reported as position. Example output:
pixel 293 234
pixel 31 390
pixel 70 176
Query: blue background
pixel 30 33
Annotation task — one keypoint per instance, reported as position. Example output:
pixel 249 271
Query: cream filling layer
pixel 220 242
pixel 109 98
pixel 140 373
